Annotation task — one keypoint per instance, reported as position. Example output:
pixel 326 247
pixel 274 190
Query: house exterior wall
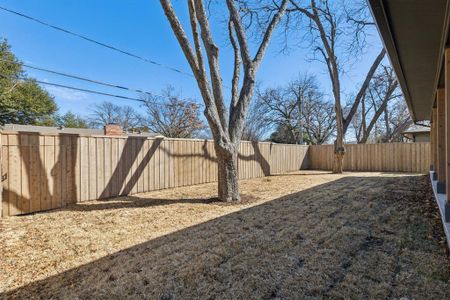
pixel 421 137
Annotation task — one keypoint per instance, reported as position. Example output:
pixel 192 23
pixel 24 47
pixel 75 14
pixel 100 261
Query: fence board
pixel 14 177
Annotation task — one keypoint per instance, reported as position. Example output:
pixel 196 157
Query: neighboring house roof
pixel 415 34
pixel 50 129
pixel 57 130
pixel 416 129
pixel 147 134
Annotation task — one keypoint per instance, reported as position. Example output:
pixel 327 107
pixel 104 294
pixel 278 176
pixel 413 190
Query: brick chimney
pixel 113 129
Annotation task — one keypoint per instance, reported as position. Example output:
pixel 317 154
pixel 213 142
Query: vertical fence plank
pixel 5 175
pixel 121 176
pixel 84 170
pixel 49 163
pixel 167 164
pixel 35 173
pixel 100 161
pixel 64 140
pixel 113 180
pixel 92 165
pixel 14 175
pixel 171 164
pixel 56 172
pixel 107 167
pixel 24 152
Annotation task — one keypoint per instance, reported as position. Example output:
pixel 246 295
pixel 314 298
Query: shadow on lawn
pixel 327 241
pixel 310 173
pixel 135 202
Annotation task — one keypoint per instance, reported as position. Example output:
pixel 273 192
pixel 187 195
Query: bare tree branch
pixel 363 89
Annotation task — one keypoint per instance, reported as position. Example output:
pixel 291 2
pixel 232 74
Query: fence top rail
pixel 8 132
pixel 365 144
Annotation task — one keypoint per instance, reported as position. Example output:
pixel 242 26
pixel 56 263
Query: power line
pixel 100 93
pixel 96 42
pixel 80 78
pixel 100 43
pixel 74 88
pixel 88 90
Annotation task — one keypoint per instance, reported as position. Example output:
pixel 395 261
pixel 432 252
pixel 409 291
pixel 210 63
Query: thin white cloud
pixel 66 94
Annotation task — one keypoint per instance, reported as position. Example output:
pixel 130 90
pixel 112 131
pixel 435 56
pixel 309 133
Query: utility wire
pixel 96 42
pixel 99 43
pixel 88 90
pixel 79 77
pixel 73 88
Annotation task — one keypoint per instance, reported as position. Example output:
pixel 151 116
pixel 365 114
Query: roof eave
pixel 379 14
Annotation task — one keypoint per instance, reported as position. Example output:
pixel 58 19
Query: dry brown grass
pixel 310 235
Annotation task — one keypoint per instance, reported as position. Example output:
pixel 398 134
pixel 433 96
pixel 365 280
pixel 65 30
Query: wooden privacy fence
pixel 390 157
pixel 41 172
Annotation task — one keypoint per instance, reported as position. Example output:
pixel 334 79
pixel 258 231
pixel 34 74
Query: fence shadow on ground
pixel 310 173
pixel 315 243
pixel 135 202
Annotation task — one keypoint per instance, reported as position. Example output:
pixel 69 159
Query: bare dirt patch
pixel 309 234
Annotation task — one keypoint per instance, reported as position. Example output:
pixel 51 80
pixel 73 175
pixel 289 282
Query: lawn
pixel 301 235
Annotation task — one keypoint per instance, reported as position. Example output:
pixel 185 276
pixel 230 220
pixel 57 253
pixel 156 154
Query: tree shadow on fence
pixel 127 158
pixel 43 173
pixel 130 153
pixel 314 243
pixel 39 172
pixel 258 157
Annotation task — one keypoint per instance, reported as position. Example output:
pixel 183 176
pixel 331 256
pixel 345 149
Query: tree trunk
pixel 386 125
pixel 300 122
pixel 339 150
pixel 364 138
pixel 228 186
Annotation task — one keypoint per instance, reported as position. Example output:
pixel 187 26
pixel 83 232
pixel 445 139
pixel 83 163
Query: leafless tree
pixel 280 110
pixel 110 113
pixel 226 124
pixel 382 89
pixel 298 112
pixel 172 116
pixel 396 120
pixel 256 126
pixel 319 121
pixel 327 28
pixel 332 34
pixel 316 119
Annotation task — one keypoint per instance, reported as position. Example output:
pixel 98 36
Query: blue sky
pixel 138 26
